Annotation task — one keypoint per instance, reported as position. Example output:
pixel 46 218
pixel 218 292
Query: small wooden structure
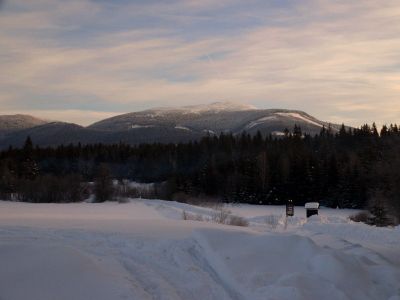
pixel 312 208
pixel 290 208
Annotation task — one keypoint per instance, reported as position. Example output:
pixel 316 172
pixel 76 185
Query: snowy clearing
pixel 300 117
pixel 144 250
pixel 260 121
pixel 182 128
pixel 135 126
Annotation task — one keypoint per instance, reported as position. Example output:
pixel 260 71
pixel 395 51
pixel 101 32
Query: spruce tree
pixel 103 184
pixel 28 168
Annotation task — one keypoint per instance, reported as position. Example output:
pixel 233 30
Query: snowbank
pixel 144 250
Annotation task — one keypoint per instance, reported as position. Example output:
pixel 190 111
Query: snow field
pixel 144 250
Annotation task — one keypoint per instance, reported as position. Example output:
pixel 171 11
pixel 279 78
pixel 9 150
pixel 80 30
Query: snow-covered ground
pixel 144 250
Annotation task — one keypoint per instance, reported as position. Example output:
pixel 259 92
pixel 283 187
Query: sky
pixel 84 60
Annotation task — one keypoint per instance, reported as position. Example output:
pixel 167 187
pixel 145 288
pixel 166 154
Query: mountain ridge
pixel 167 125
pixel 10 123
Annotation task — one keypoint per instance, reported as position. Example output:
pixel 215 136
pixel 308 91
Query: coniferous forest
pixel 349 169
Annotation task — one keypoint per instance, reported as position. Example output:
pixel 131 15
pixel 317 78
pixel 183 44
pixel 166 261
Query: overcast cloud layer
pixel 84 60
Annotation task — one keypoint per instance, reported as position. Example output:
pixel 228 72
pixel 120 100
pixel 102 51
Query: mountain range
pixel 164 125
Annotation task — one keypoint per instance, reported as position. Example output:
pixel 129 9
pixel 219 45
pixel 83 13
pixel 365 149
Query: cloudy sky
pixel 84 60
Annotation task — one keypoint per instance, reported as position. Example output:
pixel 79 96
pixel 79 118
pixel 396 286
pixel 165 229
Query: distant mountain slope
pixel 57 133
pixel 171 117
pixel 217 117
pixel 165 125
pixel 11 123
pixel 49 134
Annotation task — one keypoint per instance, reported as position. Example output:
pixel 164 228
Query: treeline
pixel 350 169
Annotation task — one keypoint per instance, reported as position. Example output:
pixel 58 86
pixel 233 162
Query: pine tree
pixel 28 168
pixel 342 131
pixel 297 131
pixel 384 131
pixel 374 130
pixel 103 184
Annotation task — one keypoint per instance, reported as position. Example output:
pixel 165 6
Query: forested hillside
pixel 352 168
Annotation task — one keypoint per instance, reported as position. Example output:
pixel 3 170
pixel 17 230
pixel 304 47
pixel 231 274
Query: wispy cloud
pixel 333 59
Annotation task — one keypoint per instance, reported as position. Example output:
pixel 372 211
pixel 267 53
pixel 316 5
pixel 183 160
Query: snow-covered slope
pixel 301 117
pixel 213 107
pixel 144 250
pixel 217 117
pixel 11 123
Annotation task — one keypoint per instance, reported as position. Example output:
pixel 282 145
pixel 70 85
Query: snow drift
pixel 143 250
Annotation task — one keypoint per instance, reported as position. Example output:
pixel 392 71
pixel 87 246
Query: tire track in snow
pixel 207 267
pixel 175 269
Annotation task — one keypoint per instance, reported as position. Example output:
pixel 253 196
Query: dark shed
pixel 312 208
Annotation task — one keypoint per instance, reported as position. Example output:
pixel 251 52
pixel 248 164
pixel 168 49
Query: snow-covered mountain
pixel 11 123
pixel 166 125
pixel 202 108
pixel 216 117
